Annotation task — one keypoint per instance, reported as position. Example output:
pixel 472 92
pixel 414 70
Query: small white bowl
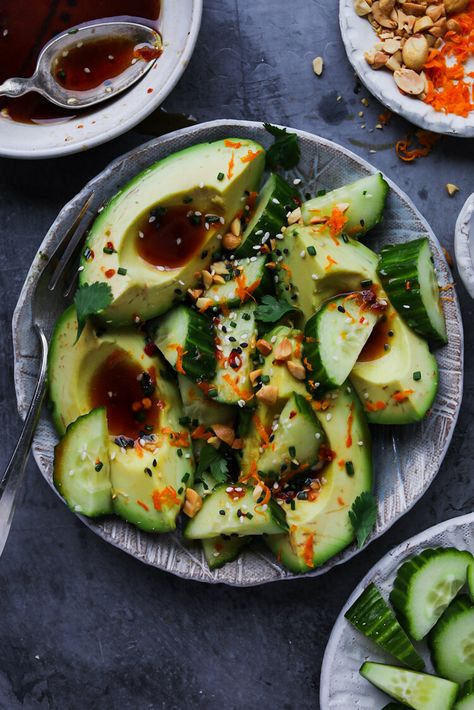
pixel 464 244
pixel 179 25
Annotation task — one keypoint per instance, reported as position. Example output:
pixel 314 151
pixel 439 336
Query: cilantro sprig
pixel 363 516
pixel 271 309
pixel 89 300
pixel 212 460
pixel 285 151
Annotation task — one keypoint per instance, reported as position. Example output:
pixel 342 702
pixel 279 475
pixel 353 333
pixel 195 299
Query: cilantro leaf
pixel 90 299
pixel 285 151
pixel 271 309
pixel 363 515
pixel 210 459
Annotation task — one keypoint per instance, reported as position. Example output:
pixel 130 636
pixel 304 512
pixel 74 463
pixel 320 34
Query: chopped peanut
pixel 224 433
pixel 207 278
pixel 195 293
pixel 236 227
pixel 268 394
pixel 296 369
pixel 263 346
pixel 283 350
pixel 230 241
pixel 255 374
pixel 192 503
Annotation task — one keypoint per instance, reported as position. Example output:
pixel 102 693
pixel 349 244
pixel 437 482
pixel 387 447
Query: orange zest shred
pixel 426 140
pixel 448 91
pixel 243 291
pixel 251 155
pixel 231 144
pixel 167 497
pixel 233 383
pixel 350 421
pixel 286 268
pixel 179 359
pixel 331 262
pixel 375 406
pixel 143 505
pixel 200 432
pixel 261 430
pixel 402 396
pixel 336 222
pixel 230 166
pixel 308 551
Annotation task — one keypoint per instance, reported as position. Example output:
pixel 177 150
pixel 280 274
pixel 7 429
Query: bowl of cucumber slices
pixel 406 634
pixel 257 371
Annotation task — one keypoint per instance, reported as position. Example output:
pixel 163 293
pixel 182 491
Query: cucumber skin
pixel 199 362
pixel 460 605
pixel 231 548
pixel 273 217
pixel 397 266
pixel 367 615
pixel 465 699
pixel 400 595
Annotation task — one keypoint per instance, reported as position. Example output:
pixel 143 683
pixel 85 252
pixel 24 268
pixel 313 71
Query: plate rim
pixel 441 123
pixel 199 129
pixel 396 554
pixel 132 118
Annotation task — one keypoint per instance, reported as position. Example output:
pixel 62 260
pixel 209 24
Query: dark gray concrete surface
pixel 83 626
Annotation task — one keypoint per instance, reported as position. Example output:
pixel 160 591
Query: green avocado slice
pixel 203 188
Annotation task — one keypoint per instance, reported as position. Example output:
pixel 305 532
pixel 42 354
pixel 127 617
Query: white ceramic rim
pixel 200 131
pixel 393 557
pixel 463 248
pixel 359 37
pixel 115 126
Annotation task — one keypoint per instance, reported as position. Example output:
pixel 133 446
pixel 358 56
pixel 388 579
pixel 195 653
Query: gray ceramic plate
pixel 406 458
pixel 341 685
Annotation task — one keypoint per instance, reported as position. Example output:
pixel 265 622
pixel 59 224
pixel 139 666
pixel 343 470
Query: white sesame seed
pixel 314 277
pixel 86 69
pixel 279 236
pixel 302 254
pixel 275 201
pixel 81 268
pixel 297 181
pixel 317 435
pixel 241 402
pixel 328 417
pixel 405 306
pixel 360 443
pixel 201 185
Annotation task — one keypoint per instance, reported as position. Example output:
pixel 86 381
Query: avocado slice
pixel 397 384
pixel 319 266
pixel 321 528
pixel 201 189
pixel 151 460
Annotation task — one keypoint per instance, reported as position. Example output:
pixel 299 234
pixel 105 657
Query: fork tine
pixel 70 241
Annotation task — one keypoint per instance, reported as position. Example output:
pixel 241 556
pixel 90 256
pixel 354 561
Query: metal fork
pixel 55 280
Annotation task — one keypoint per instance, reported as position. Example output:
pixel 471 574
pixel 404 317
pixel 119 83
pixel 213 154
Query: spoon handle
pixel 12 479
pixel 16 87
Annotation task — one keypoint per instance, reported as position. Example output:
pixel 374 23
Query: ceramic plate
pixel 464 244
pixel 406 458
pixel 179 25
pixel 341 685
pixel 359 37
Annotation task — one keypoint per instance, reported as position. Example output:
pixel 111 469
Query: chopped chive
pixel 292 504
pixel 99 465
pixel 250 516
pixel 121 271
pixel 350 468
pixel 417 376
pixel 265 379
pixel 179 452
pixel 220 176
pixel 321 193
pixel 341 309
pixel 345 238
pixel 185 478
pixel 180 490
pixel 194 219
pixel 212 393
pixel 246 316
pixel 184 421
pixel 233 324
pixel 311 250
pixel 292 451
pixel 108 250
pixel 148 427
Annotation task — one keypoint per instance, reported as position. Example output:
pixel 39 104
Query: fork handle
pixel 13 477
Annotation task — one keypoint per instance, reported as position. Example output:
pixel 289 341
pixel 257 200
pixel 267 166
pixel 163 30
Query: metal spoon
pixel 44 82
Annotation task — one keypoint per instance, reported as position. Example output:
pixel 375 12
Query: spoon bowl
pixel 146 46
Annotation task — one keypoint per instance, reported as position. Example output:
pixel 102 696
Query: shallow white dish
pixel 341 684
pixel 406 459
pixel 179 25
pixel 359 37
pixel 464 244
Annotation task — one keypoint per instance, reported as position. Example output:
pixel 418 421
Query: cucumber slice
pixel 276 372
pixel 334 338
pixel 452 641
pixel 470 580
pixel 425 585
pixel 200 409
pixel 185 338
pixel 417 690
pixel 220 550
pixel 295 444
pixel 371 615
pixel 365 197
pixel 276 198
pixel 82 467
pixel 466 697
pixel 409 278
pixel 235 337
pixel 247 279
pixel 232 510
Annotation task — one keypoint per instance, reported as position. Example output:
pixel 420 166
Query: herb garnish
pixel 212 460
pixel 271 309
pixel 89 300
pixel 363 515
pixel 285 151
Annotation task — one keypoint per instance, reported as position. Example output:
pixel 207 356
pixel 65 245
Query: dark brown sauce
pixel 378 343
pixel 89 64
pixel 170 236
pixel 26 26
pixel 132 405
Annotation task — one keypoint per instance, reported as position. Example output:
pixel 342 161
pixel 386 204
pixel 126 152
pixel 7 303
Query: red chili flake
pixel 150 349
pixel 109 273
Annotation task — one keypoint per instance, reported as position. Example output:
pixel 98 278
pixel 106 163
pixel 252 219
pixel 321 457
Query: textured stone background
pixel 81 624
